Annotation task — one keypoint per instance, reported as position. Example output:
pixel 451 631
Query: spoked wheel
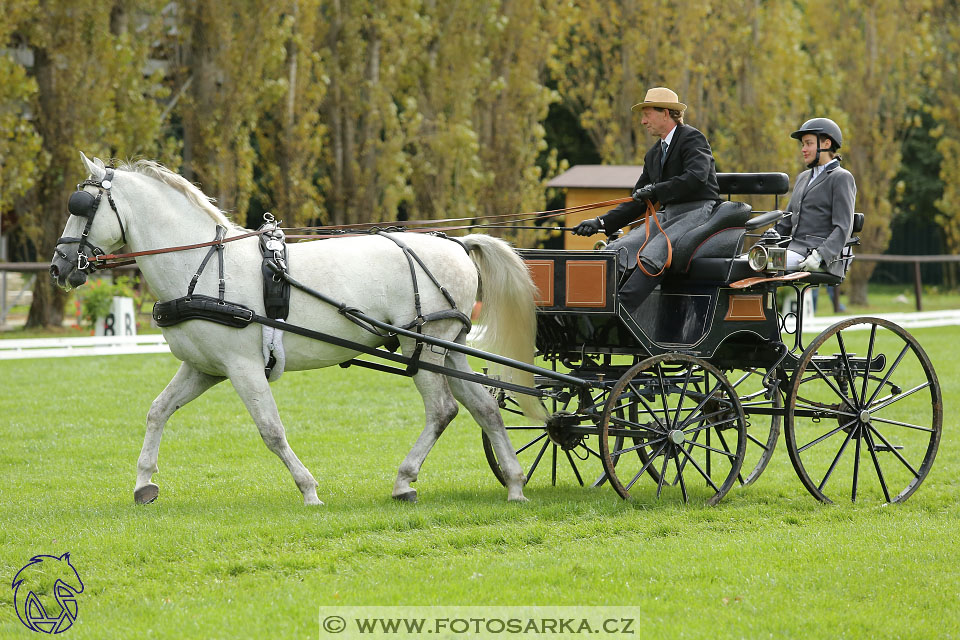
pixel 864 413
pixel 684 427
pixel 565 449
pixel 763 429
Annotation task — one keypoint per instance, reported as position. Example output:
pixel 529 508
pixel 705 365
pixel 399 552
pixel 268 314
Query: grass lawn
pixel 229 551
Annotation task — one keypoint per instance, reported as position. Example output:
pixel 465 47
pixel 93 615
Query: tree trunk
pixel 858 281
pixel 46 310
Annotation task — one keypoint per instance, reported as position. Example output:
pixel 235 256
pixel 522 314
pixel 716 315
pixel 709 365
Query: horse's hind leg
pixel 186 385
pixel 440 408
pixel 483 407
pixel 254 390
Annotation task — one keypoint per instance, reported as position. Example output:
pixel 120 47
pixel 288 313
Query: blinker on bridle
pixel 84 204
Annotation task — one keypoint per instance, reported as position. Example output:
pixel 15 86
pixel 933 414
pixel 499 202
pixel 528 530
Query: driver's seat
pixel 704 253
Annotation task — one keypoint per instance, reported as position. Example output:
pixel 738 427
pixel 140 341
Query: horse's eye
pixel 81 203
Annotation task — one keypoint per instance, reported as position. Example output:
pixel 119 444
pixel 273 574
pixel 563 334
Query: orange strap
pixel 652 213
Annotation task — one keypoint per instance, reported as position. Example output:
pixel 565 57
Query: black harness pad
pixel 172 312
pixel 276 289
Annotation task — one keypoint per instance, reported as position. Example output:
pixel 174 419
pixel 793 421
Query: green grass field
pixel 229 551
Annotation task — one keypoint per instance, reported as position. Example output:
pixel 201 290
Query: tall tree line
pixel 341 111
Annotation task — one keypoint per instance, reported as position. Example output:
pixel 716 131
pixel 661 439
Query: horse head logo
pixel 43 577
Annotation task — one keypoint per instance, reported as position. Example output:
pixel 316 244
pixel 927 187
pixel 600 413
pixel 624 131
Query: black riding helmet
pixel 820 127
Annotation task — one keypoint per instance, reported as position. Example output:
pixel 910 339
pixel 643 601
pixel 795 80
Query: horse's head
pixel 87 234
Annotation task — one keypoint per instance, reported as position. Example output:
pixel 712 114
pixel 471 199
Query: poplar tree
pixel 21 157
pixel 230 62
pixel 290 134
pixel 91 95
pixel 870 59
pixel 367 49
pixel 946 111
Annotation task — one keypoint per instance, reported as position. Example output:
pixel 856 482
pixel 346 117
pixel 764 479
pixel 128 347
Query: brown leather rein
pixel 121 259
pixel 652 213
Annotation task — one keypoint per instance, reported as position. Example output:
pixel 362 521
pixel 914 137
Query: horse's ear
pixel 95 168
pixel 66 556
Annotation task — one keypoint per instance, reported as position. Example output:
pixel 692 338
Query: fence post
pixel 917 285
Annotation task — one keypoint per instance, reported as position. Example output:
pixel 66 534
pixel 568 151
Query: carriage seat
pixel 705 252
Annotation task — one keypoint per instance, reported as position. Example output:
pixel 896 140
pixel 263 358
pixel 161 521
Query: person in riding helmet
pixel 821 205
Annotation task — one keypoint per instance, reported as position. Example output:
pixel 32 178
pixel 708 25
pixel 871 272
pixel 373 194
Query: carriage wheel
pixel 684 423
pixel 560 449
pixel 763 430
pixel 877 426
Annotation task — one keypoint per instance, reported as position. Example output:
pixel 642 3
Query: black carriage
pixel 693 391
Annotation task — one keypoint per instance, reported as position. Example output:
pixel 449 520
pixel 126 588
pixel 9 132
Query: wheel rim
pixel 688 427
pixel 762 430
pixel 858 434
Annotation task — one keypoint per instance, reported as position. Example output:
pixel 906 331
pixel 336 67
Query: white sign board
pixel 120 321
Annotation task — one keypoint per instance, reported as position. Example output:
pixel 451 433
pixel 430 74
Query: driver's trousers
pixel 676 220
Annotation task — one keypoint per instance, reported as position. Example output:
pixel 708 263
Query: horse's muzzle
pixel 65 273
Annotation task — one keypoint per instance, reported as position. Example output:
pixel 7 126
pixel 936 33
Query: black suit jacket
pixel 689 174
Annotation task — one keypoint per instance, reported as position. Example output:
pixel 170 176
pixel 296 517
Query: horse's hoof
pixel 146 494
pixel 313 501
pixel 407 496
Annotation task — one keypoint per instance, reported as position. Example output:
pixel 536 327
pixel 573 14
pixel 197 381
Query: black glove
pixel 587 227
pixel 644 193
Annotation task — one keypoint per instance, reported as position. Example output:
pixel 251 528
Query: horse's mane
pixel 189 190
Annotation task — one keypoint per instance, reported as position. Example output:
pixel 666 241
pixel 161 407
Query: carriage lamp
pixel 766 255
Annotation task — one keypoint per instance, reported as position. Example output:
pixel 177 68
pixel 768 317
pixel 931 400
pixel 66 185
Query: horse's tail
pixel 508 314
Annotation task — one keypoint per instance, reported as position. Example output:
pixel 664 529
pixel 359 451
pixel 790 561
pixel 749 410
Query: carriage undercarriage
pixel 860 409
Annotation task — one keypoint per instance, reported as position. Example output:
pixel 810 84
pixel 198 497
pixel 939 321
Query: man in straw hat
pixel 679 172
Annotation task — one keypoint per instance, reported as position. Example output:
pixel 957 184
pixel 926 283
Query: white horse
pixel 158 208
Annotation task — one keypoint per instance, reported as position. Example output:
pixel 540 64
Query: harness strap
pixel 410 254
pixel 203 265
pixel 235 315
pixel 444 314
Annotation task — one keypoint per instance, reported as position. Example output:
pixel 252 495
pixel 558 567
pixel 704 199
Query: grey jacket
pixel 822 215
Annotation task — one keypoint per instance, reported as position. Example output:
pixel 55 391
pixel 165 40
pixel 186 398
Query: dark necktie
pixel 663 152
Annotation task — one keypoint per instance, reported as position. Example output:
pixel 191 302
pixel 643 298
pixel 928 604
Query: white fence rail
pixel 911 320
pixel 83 346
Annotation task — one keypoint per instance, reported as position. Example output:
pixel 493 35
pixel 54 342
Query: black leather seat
pixel 711 239
pixel 705 253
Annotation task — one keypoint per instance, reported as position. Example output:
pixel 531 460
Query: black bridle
pixel 84 204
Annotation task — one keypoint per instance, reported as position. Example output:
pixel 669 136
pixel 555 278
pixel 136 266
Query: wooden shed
pixel 586 183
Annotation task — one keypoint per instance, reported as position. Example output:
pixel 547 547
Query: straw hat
pixel 661 98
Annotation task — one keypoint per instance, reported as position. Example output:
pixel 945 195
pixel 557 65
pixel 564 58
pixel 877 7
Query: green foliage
pixel 343 112
pixel 98 296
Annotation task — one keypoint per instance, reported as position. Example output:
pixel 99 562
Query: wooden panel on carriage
pixel 581 281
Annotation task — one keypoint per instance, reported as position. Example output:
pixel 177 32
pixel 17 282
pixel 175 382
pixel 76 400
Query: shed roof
pixel 599 176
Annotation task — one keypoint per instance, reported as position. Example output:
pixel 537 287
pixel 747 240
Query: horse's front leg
pixel 186 385
pixel 254 390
